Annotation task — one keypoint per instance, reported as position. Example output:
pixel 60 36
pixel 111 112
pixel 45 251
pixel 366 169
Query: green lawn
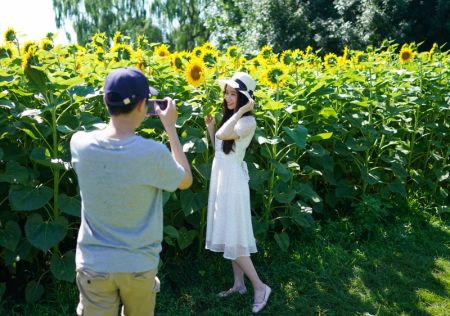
pixel 404 269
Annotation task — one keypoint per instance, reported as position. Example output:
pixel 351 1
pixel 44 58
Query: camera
pixel 151 103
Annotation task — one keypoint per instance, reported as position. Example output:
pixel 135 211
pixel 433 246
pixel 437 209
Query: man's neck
pixel 119 128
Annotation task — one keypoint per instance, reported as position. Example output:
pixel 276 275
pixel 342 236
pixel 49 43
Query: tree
pixel 130 17
pixel 182 21
pixel 327 24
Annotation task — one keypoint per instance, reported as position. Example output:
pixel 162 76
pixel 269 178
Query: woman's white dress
pixel 229 226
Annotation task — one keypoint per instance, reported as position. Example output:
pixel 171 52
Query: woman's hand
pixel 210 121
pixel 248 107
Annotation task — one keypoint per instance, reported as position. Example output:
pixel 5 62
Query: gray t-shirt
pixel 121 183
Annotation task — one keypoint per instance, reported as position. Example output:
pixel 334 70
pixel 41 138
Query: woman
pixel 229 227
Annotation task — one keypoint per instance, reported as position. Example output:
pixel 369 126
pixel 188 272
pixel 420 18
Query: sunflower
pixel 330 60
pixel 431 52
pixel 124 52
pixel 209 57
pixel 233 51
pixel 197 52
pixel 406 54
pixel 357 58
pixel 118 38
pixel 28 45
pixel 141 42
pixel 162 51
pixel 287 57
pixel 30 59
pixel 6 51
pixel 138 58
pixel 177 62
pixel 10 35
pixel 342 60
pixel 99 40
pixel 265 52
pixel 46 44
pixel 208 46
pixel 275 76
pixel 195 72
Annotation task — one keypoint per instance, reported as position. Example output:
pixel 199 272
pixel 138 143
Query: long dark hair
pixel 227 145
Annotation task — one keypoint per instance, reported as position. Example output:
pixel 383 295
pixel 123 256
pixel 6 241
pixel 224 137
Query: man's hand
pixel 168 116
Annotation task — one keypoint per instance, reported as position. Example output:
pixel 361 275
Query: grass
pixel 403 269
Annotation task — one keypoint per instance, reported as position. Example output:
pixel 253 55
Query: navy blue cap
pixel 126 86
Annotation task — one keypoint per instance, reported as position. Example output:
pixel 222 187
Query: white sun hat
pixel 242 82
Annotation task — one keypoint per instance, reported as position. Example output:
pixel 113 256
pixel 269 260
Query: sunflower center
pixel 405 55
pixel 196 72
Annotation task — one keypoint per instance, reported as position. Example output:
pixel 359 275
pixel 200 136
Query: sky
pixel 31 19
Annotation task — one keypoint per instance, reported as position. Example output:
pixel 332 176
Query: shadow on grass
pixel 405 270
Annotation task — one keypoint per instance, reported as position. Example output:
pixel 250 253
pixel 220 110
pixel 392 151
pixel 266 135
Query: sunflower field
pixel 347 135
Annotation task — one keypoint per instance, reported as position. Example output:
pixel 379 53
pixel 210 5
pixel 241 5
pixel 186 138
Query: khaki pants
pixel 102 293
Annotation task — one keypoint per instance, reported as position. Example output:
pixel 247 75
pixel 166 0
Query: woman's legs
pixel 238 276
pixel 245 265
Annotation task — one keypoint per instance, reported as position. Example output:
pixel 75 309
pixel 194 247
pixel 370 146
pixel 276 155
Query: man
pixel 121 177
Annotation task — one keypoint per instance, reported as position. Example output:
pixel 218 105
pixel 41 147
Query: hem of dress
pixel 230 258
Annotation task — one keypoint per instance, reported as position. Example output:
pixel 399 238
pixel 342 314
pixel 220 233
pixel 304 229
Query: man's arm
pixel 169 118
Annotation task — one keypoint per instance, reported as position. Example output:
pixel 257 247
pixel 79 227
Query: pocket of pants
pixel 143 275
pixel 89 278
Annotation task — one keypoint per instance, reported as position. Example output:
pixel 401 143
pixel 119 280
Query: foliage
pixel 95 16
pixel 330 25
pixel 336 138
pixel 182 21
pixel 329 271
pixel 282 24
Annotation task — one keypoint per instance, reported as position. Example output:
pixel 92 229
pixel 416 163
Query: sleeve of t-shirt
pixel 74 149
pixel 167 173
pixel 245 126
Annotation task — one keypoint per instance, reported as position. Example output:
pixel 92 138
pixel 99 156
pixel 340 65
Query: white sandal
pixel 257 307
pixel 241 290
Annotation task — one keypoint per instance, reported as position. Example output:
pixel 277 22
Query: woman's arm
pixel 211 126
pixel 226 131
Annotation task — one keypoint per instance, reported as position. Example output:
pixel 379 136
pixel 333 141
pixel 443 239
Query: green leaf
pixel 186 237
pixel 44 235
pixel 260 228
pixel 320 136
pixel 14 173
pixel 63 83
pixel 42 156
pixel 21 252
pixel 298 135
pixel 306 191
pixel 7 104
pixel 193 202
pixel 370 177
pixel 302 219
pixel 283 193
pixel 273 105
pixel 29 198
pixel 33 292
pixel 69 205
pixel 282 240
pixel 171 231
pixel 63 268
pixel 327 112
pixel 398 187
pixel 10 235
pixel 282 171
